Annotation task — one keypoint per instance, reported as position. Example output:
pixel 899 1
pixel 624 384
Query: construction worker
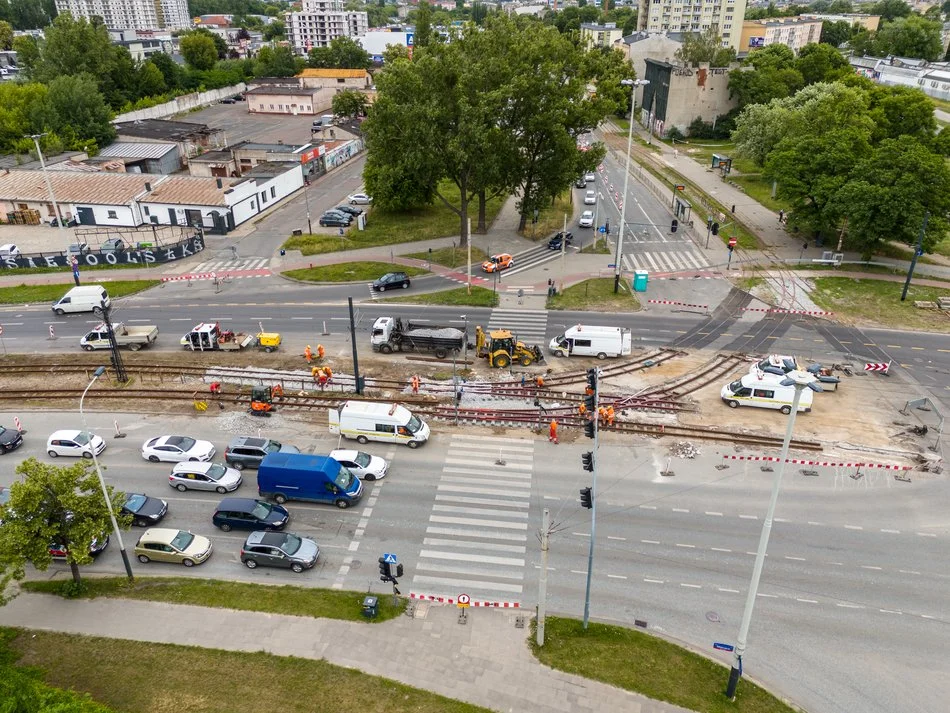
pixel 602 415
pixel 415 383
pixel 215 388
pixel 582 410
pixel 539 381
pixel 610 415
pixel 308 354
pixel 522 380
pixel 322 378
pixel 314 371
pixel 320 351
pixel 552 431
pixel 329 372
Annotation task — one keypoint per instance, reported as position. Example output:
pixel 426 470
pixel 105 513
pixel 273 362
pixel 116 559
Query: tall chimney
pixel 220 185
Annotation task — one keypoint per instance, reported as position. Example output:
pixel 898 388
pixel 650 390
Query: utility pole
pixel 618 266
pixel 591 431
pixel 356 362
pixel 564 248
pixel 117 364
pixel 543 581
pixel 49 187
pixel 469 231
pixel 919 250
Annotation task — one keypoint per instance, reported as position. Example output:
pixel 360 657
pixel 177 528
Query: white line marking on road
pixel 769 596
pixel 755 553
pixel 926 534
pixel 749 517
pixel 551 497
pixel 853 527
pixel 870 566
pixel 715 514
pixel 837 564
pixel 654 581
pixel 648 507
pixel 650 542
pixel 464 544
pixel 890 611
pixel 616 576
pixel 806 601
pixel 465 532
pixel 926 616
pixel 691 586
pixel 892 532
pixel 581 534
pixel 478 521
pixel 691 547
pixel 845 605
pixel 465 584
pixel 579 571
pixel 908 571
pixel 482 559
pixel 730 591
pixel 621 539
pixel 720 549
pixel 797 559
pixel 301 317
pixel 812 522
pixel 680 510
pixel 781 519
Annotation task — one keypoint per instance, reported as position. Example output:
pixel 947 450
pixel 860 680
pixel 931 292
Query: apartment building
pixel 594 35
pixel 321 21
pixel 131 14
pixel 694 16
pixel 793 32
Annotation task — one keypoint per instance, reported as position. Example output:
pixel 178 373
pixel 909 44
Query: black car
pixel 249 514
pixel 10 440
pixel 144 510
pixel 352 210
pixel 555 242
pixel 580 183
pixel 248 452
pixel 391 280
pixel 336 219
pixel 228 101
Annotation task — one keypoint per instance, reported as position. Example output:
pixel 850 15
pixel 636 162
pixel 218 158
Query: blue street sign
pixel 919 251
pixel 601 229
pixel 723 647
pixel 389 558
pixel 611 264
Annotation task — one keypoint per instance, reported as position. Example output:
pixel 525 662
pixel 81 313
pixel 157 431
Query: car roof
pixel 66 433
pixel 193 467
pixel 343 453
pixel 171 440
pixel 266 537
pixel 253 441
pixel 160 534
pixel 246 504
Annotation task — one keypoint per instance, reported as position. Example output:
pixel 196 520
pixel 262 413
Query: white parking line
pixel 926 534
pixel 869 566
pixel 797 559
pixel 650 542
pixel 892 532
pixel 720 549
pixel 616 576
pixel 730 591
pixel 845 605
pixel 715 514
pixel 653 581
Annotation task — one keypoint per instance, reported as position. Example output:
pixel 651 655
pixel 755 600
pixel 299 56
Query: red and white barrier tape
pixel 197 276
pixel 452 600
pixel 681 304
pixel 822 463
pixel 782 311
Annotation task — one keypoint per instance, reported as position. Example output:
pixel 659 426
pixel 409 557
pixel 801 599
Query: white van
pixel 374 421
pixel 764 392
pixel 778 364
pixel 87 298
pixel 601 342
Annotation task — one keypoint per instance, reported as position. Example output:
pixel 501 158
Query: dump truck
pixel 501 348
pixel 392 335
pixel 125 336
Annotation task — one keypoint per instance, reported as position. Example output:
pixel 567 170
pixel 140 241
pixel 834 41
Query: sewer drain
pixel 713 617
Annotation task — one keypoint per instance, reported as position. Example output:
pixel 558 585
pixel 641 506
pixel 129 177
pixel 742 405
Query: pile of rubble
pixel 684 449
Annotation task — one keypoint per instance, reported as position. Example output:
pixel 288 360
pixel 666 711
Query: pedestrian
pixel 320 351
pixel 781 216
pixel 539 381
pixel 552 431
pixel 522 380
pixel 308 354
pixel 610 415
pixel 415 383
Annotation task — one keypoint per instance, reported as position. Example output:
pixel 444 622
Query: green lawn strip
pixel 289 599
pixel 451 256
pixel 758 189
pixel 596 295
pixel 943 247
pixel 602 248
pixel 701 152
pixel 394 227
pixel 748 283
pixel 551 219
pixel 350 272
pixel 480 297
pixel 133 676
pixel 636 661
pixel 27 294
pixel 879 302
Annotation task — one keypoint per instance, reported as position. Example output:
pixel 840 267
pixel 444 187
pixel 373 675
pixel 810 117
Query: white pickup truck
pixel 132 337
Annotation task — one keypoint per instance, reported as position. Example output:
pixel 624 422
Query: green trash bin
pixel 370 607
pixel 640 279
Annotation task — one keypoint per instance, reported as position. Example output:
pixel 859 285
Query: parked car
pixel 349 209
pixel 98 546
pixel 249 514
pixel 580 183
pixel 363 465
pixel 192 475
pixel 586 219
pixel 497 263
pixel 228 101
pixel 9 250
pixel 144 510
pixel 115 245
pixel 248 452
pixel 359 199
pixel 334 219
pixel 391 280
pixel 555 242
pixel 74 443
pixel 279 549
pixel 77 249
pixel 591 176
pixel 590 198
pixel 10 439
pixel 179 546
pixel 177 448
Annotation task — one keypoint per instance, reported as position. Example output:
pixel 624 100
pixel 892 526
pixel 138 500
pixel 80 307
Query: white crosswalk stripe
pixel 528 325
pixel 476 538
pixel 251 263
pixel 665 261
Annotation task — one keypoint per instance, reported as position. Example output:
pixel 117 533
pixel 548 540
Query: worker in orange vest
pixel 322 378
pixel 308 354
pixel 582 410
pixel 320 351
pixel 552 431
pixel 415 383
pixel 602 415
pixel 610 415
pixel 314 371
pixel 539 381
pixel 329 372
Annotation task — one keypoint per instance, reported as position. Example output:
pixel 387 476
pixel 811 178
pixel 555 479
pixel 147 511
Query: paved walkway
pixel 486 662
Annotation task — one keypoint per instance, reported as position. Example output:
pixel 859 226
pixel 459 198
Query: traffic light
pixel 715 228
pixel 589 402
pixel 607 227
pixel 384 575
pixel 674 225
pixel 592 379
pixel 588 460
pixel 586 500
pixel 398 572
pixel 589 428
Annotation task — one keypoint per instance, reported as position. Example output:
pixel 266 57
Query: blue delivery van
pixel 298 476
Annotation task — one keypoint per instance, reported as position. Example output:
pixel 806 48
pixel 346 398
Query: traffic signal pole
pixel 593 494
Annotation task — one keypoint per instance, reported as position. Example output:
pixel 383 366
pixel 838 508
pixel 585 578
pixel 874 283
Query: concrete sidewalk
pixel 486 662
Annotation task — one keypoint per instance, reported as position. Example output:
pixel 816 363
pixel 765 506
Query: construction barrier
pixel 678 304
pixel 16 423
pixel 52 334
pixel 877 366
pixel 775 310
pixel 453 600
pixel 822 463
pixel 196 276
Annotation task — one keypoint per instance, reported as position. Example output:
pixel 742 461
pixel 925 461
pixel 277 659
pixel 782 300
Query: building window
pixel 272 107
pixel 273 192
pixel 340 80
pixel 263 197
pixel 113 215
pixel 145 208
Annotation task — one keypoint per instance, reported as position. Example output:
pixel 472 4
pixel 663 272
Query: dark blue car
pixel 555 242
pixel 249 514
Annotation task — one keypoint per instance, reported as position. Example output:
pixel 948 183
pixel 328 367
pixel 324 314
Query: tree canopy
pixel 705 48
pixel 343 53
pixel 349 103
pixel 199 50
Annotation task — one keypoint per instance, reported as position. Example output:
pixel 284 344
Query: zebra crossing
pixel 251 263
pixel 528 325
pixel 665 261
pixel 476 539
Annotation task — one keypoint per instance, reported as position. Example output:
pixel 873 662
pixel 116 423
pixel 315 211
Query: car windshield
pixel 291 544
pixel 363 459
pixel 182 540
pixel 344 479
pixel 135 502
pixel 273 447
pixel 735 385
pixel 82 438
pixel 414 424
pixel 387 277
pixel 261 510
pixel 186 444
pixel 216 471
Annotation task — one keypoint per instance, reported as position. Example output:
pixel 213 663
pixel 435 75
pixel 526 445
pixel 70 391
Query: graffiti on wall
pixel 341 154
pixel 143 256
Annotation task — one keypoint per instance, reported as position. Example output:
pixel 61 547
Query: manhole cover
pixel 713 617
pixel 356 564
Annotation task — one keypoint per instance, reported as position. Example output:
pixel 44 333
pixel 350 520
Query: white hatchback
pixel 359 199
pixel 362 465
pixel 74 443
pixel 587 219
pixel 590 198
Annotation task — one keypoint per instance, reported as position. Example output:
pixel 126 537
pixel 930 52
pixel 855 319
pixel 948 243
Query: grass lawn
pixel 701 150
pixel 451 257
pixel 392 227
pixel 551 219
pixel 635 661
pixel 749 283
pixel 879 302
pixel 296 601
pixel 480 297
pixel 131 676
pixel 596 295
pixel 758 189
pixel 350 272
pixel 24 294
pixel 943 247
pixel 602 248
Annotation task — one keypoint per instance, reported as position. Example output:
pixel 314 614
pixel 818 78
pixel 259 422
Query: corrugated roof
pixel 333 73
pixel 122 149
pixel 189 190
pixel 75 187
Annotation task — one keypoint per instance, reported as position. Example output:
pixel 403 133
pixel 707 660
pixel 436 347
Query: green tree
pixel 703 48
pixel 890 10
pixel 27 55
pixel 29 14
pixel 276 62
pixel 911 37
pixel 349 103
pixel 6 35
pixel 423 34
pixel 76 111
pixel 836 33
pixel 198 50
pixel 941 144
pixel 74 47
pixel 51 504
pixel 275 31
pixel 901 111
pixel 821 63
pixel 760 86
pixel 171 71
pixel 343 53
pixel 149 81
pixel 17 106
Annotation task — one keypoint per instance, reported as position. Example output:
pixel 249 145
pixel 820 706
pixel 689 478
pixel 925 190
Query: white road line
pixel 812 522
pixel 494 439
pixel 579 571
pixel 797 559
pixel 780 519
pixel 768 596
pixel 484 481
pixel 487 472
pixel 648 507
pixel 853 527
pixel 691 547
pixel 616 576
pixel 714 514
pixel 480 522
pixel 621 539
pixel 926 534
pixel 468 545
pixel 730 591
pixel 480 501
pixel 837 564
pixel 720 549
pixel 845 605
pixel 749 517
pixel 650 542
pixel 908 571
pixel 466 570
pixel 806 601
pixel 654 581
pixel 442 487
pixel 680 510
pixel 477 511
pixel 892 532
pixel 870 566
pixel 482 559
pixel 463 532
pixel 890 611
pixel 691 586
pixel 581 534
pixel 926 616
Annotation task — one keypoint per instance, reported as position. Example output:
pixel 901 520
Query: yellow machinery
pixel 262 399
pixel 501 349
pixel 268 341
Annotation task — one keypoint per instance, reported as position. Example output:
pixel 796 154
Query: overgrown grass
pixel 879 302
pixel 758 189
pixel 392 227
pixel 451 256
pixel 595 295
pixel 480 297
pixel 68 271
pixel 749 283
pixel 551 219
pixel 245 596
pixel 943 247
pixel 133 676
pixel 350 272
pixel 25 294
pixel 636 661
pixel 602 248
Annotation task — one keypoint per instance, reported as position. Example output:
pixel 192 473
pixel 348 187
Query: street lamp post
pixel 618 268
pixel 801 380
pixel 306 197
pixel 49 187
pixel 102 483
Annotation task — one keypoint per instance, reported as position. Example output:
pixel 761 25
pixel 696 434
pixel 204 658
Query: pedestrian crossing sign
pixel 389 558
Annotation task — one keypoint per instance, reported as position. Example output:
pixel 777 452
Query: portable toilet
pixel 640 279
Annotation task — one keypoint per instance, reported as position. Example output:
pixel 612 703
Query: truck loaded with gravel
pixel 392 335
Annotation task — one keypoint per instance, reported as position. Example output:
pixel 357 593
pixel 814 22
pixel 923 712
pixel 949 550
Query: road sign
pixel 389 558
pixel 723 647
pixel 732 242
pixel 883 368
pixel 601 229
pixel 463 601
pixel 611 264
